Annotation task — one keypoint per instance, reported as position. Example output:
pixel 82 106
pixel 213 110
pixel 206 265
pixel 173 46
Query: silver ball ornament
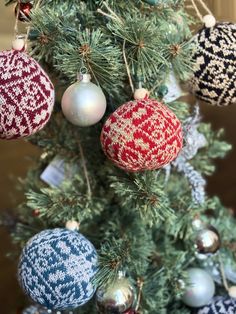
pixel 201 288
pixel 83 103
pixel 115 298
pixel 207 240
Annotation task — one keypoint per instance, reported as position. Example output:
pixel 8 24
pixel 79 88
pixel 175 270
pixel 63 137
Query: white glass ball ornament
pixel 200 289
pixel 83 103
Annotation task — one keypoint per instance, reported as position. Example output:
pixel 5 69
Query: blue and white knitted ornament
pixel 219 305
pixel 56 269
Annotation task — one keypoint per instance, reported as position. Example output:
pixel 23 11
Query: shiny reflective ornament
pixel 207 240
pixel 25 9
pixel 115 298
pixel 201 288
pixel 83 103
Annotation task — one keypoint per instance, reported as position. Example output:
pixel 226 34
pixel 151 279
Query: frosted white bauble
pixel 201 288
pixel 83 103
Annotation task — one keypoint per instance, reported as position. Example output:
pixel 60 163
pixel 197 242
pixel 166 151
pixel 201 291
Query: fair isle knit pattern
pixel 142 135
pixel 26 95
pixel 214 79
pixel 56 269
pixel 219 305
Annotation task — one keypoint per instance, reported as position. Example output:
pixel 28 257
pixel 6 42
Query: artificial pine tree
pixel 136 230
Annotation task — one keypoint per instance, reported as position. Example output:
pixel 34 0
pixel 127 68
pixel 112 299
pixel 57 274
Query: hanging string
pixel 16 29
pixel 29 27
pixel 112 16
pixel 128 69
pixel 205 7
pixel 222 272
pixel 197 11
pixel 85 169
pixel 140 283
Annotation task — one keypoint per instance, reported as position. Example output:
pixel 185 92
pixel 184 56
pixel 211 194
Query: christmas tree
pixel 115 208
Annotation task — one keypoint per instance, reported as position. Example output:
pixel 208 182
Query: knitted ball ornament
pixel 56 269
pixel 219 305
pixel 26 95
pixel 142 135
pixel 215 72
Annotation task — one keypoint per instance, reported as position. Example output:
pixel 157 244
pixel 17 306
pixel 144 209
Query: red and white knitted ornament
pixel 142 135
pixel 26 95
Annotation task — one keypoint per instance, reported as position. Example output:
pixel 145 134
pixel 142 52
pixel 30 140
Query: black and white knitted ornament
pixel 219 305
pixel 56 269
pixel 215 72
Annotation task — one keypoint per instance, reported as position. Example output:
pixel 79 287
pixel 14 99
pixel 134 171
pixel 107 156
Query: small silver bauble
pixel 83 103
pixel 117 297
pixel 201 288
pixel 207 240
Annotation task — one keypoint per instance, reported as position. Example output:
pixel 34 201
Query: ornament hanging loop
pixel 83 75
pixel 209 19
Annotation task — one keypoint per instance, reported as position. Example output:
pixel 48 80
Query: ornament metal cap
pixel 84 77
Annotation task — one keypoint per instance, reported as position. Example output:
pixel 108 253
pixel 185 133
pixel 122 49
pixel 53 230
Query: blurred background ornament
pixel 207 240
pixel 200 288
pixel 117 297
pixel 25 10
